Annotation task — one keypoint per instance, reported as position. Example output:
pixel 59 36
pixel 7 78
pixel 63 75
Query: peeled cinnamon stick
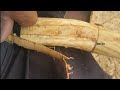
pixel 36 46
pixel 73 33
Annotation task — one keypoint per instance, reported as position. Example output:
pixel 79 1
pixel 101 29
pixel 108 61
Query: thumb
pixel 24 18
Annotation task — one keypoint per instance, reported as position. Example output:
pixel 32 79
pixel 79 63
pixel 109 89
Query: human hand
pixel 23 18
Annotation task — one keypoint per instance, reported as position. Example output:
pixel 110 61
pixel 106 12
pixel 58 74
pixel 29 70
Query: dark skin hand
pixel 23 18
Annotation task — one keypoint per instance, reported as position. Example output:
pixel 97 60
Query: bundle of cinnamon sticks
pixel 68 33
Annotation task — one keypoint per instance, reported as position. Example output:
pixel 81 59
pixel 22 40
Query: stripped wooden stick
pixel 62 32
pixel 36 46
pixel 73 33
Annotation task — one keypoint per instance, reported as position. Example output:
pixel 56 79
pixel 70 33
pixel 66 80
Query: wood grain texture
pixel 73 33
pixel 110 20
pixel 62 32
pixel 108 43
pixel 36 46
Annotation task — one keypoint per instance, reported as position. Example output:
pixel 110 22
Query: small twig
pixel 36 46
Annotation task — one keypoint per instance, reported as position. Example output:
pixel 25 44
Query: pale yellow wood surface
pixel 62 32
pixel 110 20
pixel 73 33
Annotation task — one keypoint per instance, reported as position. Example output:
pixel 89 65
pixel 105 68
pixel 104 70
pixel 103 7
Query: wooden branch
pixel 73 33
pixel 108 43
pixel 36 46
pixel 62 32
